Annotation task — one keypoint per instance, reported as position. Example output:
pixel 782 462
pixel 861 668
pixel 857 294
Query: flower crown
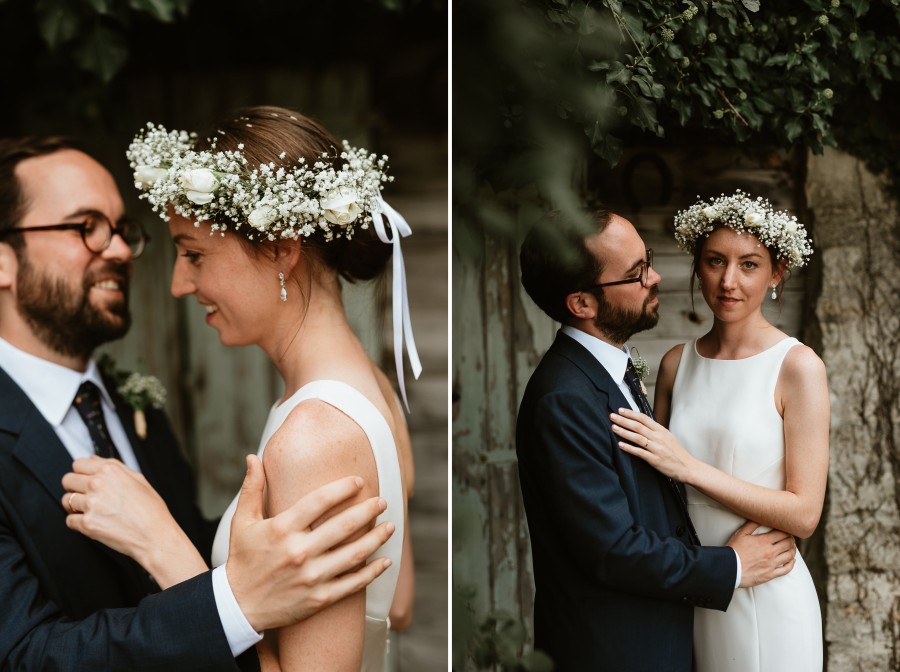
pixel 775 230
pixel 275 201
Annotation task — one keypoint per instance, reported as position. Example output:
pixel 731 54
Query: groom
pixel 618 568
pixel 69 603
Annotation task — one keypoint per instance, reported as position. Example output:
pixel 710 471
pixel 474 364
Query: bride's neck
pixel 315 340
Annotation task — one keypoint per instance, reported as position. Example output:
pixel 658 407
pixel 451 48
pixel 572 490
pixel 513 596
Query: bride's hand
pixel 116 506
pixel 645 438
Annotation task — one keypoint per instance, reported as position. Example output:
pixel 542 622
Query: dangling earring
pixel 283 288
pixel 774 293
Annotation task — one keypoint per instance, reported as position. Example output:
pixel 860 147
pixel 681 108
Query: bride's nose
pixel 181 283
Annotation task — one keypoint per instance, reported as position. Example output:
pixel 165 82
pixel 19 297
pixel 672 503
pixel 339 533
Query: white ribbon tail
pixel 402 323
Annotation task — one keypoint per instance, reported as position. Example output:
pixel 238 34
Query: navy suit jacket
pixel 70 603
pixel 616 570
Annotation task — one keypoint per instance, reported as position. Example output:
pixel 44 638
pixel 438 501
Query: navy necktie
pixel 634 384
pixel 87 403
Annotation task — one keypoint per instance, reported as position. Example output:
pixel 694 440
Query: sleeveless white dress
pixel 358 408
pixel 723 412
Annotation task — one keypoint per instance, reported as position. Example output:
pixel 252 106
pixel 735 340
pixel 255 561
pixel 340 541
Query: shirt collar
pixel 50 387
pixel 611 358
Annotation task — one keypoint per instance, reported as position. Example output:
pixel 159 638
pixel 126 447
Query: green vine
pixel 600 74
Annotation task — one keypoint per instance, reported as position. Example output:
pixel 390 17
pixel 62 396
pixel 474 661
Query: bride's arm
pixel 315 445
pixel 116 506
pixel 802 395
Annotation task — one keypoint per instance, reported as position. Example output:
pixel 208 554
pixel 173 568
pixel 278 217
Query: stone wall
pixel 857 315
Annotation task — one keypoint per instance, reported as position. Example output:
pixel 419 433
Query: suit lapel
pixel 569 348
pixel 38 447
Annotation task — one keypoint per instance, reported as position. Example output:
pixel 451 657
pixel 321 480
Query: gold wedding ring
pixel 69 503
pixel 646 443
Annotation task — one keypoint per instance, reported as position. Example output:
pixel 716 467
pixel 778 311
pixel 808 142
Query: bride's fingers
pixel 639 418
pixel 627 423
pixel 633 437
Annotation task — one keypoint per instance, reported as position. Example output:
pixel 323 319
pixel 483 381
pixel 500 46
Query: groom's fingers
pixel 75 482
pixel 312 506
pixel 345 524
pixel 353 582
pixel 350 556
pixel 250 501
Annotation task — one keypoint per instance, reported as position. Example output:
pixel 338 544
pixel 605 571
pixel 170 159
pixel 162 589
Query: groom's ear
pixel 9 266
pixel 582 305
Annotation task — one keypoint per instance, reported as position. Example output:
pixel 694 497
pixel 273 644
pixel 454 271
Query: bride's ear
pixel 287 257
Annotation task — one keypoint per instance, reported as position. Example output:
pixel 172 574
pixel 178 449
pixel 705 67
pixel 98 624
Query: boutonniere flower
pixel 641 368
pixel 138 391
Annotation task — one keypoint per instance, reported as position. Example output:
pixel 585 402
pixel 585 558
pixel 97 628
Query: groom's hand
pixel 763 556
pixel 282 571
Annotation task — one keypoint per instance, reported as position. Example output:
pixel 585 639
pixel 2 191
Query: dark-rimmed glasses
pixel 642 278
pixel 96 232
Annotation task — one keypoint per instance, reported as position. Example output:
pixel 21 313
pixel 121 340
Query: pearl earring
pixel 283 288
pixel 774 294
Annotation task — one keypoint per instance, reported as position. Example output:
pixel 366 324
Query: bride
pixel 748 411
pixel 267 213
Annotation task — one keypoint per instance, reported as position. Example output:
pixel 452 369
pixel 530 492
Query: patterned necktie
pixel 634 384
pixel 87 403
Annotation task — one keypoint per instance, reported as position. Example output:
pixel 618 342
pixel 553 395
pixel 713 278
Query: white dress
pixel 723 412
pixel 358 408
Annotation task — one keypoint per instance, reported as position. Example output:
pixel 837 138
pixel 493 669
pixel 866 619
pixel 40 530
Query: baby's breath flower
pixel 776 230
pixel 272 201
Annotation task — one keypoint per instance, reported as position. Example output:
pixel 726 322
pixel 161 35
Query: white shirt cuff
pixel 240 635
pixel 737 581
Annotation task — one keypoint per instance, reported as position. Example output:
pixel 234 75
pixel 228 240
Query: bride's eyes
pixel 192 257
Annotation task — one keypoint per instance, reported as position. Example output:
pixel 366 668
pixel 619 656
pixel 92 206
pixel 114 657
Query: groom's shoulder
pixel 566 369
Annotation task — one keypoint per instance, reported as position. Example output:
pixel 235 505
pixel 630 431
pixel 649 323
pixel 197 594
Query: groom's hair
pixel 555 261
pixel 12 200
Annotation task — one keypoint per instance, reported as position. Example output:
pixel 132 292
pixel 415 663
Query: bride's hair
pixel 268 134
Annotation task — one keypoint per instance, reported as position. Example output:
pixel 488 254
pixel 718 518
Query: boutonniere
pixel 641 368
pixel 138 391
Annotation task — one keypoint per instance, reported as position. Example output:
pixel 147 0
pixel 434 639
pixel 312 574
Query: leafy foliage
pixel 809 73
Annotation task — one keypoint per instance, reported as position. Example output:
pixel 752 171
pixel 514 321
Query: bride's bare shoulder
pixel 316 444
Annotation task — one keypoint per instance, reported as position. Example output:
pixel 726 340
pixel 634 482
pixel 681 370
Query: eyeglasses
pixel 642 278
pixel 96 232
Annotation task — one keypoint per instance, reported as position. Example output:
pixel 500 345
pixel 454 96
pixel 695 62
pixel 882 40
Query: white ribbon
pixel 400 300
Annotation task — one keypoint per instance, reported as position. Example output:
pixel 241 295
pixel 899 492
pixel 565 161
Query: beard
pixel 620 324
pixel 64 318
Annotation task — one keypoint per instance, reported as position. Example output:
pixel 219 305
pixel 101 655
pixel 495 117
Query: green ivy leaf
pixel 863 49
pixel 740 69
pixel 102 51
pixel 161 10
pixel 792 129
pixel 751 5
pixel 58 22
pixel 618 73
pixel 859 7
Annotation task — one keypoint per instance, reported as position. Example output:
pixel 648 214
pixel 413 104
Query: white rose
pixel 339 206
pixel 199 185
pixel 262 216
pixel 146 176
pixel 710 212
pixel 753 218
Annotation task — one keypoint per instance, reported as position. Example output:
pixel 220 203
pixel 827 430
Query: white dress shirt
pixel 615 361
pixel 52 388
